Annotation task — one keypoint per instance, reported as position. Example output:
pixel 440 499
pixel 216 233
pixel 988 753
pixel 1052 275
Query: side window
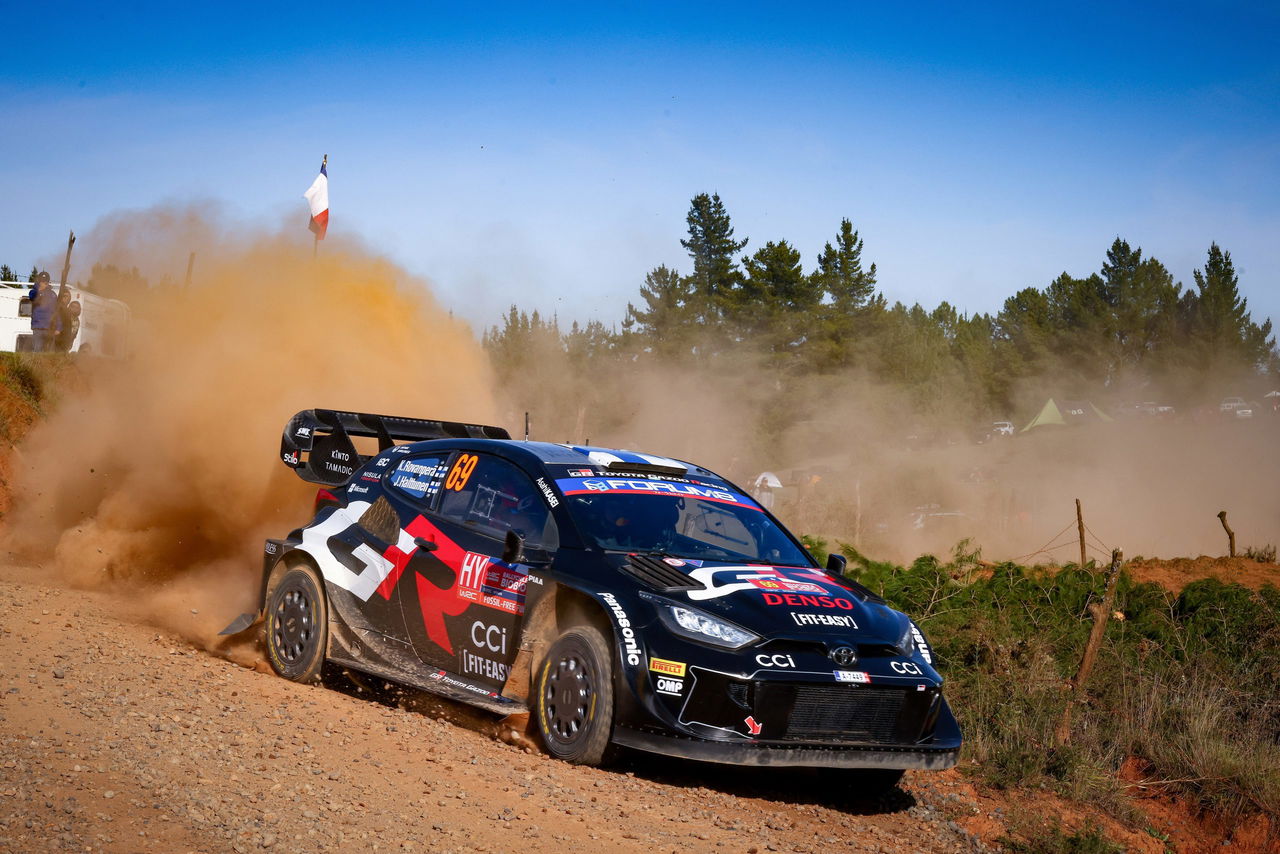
pixel 494 496
pixel 418 477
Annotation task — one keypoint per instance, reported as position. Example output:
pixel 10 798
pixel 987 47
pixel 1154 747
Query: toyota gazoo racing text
pixel 622 599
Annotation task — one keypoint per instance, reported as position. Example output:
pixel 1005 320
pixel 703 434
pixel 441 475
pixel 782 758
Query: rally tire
pixel 297 623
pixel 574 697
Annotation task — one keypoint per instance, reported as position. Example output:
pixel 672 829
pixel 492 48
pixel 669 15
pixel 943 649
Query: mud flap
pixel 242 623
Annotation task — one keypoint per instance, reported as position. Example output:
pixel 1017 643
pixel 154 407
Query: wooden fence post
pixel 1101 613
pixel 1080 526
pixel 1231 535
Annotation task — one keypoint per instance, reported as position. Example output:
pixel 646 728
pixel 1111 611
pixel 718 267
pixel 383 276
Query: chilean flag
pixel 318 197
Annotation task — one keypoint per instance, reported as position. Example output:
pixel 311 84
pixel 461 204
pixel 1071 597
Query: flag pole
pixel 66 265
pixel 315 235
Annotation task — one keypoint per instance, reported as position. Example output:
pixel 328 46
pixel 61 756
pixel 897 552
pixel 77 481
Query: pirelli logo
pixel 671 668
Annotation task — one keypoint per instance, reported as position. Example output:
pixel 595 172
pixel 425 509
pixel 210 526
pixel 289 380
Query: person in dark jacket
pixel 68 322
pixel 44 314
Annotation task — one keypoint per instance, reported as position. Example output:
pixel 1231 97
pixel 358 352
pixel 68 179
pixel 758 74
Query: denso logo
pixel 802 600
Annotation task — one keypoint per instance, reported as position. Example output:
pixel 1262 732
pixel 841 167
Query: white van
pixel 104 323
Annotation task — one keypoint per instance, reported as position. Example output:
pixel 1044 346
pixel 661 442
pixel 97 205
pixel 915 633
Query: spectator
pixel 68 322
pixel 44 314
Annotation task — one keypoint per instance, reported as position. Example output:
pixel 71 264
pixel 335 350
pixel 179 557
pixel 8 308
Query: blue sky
pixel 547 155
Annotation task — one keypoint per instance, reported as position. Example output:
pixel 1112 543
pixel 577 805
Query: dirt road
pixel 120 737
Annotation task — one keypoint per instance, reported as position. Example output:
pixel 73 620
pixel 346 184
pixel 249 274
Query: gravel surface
pixel 115 736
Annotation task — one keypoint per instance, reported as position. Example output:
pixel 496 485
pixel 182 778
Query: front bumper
pixel 940 752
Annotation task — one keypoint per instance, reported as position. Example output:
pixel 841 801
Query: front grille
pixel 858 714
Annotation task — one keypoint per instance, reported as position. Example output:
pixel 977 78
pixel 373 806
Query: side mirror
pixel 425 544
pixel 513 548
pixel 836 564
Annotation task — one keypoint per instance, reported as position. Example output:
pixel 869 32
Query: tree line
pixel 1127 331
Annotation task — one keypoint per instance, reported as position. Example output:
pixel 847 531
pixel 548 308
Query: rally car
pixel 622 599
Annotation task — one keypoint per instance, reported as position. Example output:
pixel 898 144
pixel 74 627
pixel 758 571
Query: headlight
pixel 701 626
pixel 919 643
pixel 907 642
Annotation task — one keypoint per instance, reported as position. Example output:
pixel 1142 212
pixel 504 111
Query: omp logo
pixel 661 665
pixel 473 570
pixel 666 685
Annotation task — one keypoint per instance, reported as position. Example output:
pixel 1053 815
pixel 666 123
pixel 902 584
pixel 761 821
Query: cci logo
pixel 906 667
pixel 483 637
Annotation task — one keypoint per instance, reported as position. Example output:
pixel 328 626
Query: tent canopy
pixel 1067 413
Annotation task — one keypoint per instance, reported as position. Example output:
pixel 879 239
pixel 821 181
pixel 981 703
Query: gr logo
pixel 775 660
pixel 491 638
pixel 906 667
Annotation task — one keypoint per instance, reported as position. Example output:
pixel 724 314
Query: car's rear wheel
pixel 297 624
pixel 575 696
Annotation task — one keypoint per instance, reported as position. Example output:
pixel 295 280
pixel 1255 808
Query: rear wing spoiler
pixel 317 442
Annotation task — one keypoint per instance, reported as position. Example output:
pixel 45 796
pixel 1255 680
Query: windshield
pixel 696 521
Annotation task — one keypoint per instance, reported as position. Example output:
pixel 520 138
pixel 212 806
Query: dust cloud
pixel 160 474
pixel 897 473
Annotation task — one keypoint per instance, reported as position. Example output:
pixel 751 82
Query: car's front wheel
pixel 297 623
pixel 575 696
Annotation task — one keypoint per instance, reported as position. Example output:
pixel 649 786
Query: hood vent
pixel 658 574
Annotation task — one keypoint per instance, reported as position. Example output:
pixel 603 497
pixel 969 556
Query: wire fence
pixel 1094 545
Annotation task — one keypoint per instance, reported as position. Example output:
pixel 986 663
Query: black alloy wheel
pixel 297 623
pixel 575 696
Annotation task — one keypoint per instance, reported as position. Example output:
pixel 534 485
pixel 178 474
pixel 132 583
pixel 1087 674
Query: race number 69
pixel 461 472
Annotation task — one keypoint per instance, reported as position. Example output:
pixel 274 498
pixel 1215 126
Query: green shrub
pixel 21 376
pixel 1184 681
pixel 1087 840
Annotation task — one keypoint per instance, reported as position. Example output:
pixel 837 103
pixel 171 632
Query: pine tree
pixel 1224 337
pixel 665 323
pixel 712 248
pixel 1142 302
pixel 775 299
pixel 841 276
